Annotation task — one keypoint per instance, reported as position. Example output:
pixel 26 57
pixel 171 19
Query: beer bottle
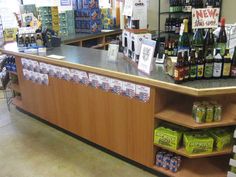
pixel 200 64
pixel 166 47
pixel 186 66
pixel 27 40
pixel 193 66
pixel 179 69
pixel 198 41
pixel 184 43
pixel 217 67
pixel 226 64
pixel 208 41
pixel 208 70
pixel 233 67
pixel 222 38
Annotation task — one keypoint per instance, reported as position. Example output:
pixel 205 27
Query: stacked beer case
pixel 67 23
pixel 232 163
pixel 49 17
pixel 87 16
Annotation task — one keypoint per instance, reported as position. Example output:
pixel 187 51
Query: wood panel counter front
pixel 118 123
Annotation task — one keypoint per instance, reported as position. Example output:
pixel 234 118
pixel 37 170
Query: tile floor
pixel 30 148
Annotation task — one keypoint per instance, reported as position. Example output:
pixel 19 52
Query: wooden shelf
pixel 181 114
pixel 14 87
pixel 12 72
pixel 17 102
pixel 97 46
pixel 204 167
pixel 182 151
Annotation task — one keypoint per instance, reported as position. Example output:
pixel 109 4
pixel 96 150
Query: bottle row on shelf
pixel 10 63
pixel 198 67
pixel 193 142
pixel 187 5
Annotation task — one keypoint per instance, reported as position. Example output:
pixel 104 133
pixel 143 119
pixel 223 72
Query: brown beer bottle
pixel 179 69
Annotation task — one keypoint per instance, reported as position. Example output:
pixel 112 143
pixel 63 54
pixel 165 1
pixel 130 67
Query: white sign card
pixel 128 8
pixel 205 18
pixel 113 50
pixel 142 92
pixel 129 89
pixel 105 83
pixel 116 86
pixel 145 63
pixel 94 80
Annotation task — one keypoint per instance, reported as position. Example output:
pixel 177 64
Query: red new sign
pixel 205 18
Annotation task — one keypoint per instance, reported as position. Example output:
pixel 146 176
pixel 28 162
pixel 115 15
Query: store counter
pixel 123 123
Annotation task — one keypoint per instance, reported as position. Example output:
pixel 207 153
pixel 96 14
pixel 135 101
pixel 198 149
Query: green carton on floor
pixel 223 137
pixel 198 142
pixel 167 137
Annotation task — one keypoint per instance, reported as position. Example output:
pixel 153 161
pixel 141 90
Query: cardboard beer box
pixel 167 137
pixel 198 142
pixel 116 86
pixel 223 137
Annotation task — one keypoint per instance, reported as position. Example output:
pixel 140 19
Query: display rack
pixel 177 113
pixel 1 32
pixel 170 14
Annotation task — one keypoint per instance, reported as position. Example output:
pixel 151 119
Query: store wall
pixel 228 11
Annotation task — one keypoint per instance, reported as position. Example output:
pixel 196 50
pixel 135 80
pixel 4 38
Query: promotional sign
pixel 205 18
pixel 145 63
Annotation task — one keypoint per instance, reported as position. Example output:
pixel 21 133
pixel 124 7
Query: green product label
pixel 171 9
pixel 222 47
pixel 193 72
pixel 208 73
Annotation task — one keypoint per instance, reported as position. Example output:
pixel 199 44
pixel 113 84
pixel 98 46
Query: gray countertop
pixel 97 60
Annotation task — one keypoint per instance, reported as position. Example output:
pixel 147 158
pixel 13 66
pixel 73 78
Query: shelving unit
pixel 17 102
pixel 181 114
pixel 14 87
pixel 232 162
pixel 176 108
pixel 181 151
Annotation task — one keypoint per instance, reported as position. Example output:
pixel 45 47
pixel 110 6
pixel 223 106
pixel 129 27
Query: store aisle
pixel 30 148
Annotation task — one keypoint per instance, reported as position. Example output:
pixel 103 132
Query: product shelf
pixel 207 167
pixel 181 151
pixel 17 102
pixel 180 114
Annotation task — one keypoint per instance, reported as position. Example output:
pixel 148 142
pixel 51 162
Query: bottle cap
pixel 222 22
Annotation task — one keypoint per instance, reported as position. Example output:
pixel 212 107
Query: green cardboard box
pixel 223 137
pixel 198 142
pixel 167 137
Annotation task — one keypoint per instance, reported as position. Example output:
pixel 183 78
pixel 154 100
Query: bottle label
pixel 171 9
pixel 208 73
pixel 226 69
pixel 222 47
pixel 178 74
pixel 193 72
pixel 200 69
pixel 233 71
pixel 186 72
pixel 217 69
